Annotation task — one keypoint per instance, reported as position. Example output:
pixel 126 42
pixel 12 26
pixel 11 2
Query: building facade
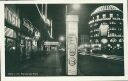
pixel 23 34
pixel 83 39
pixel 106 29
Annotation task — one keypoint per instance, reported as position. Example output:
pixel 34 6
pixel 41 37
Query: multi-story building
pixel 106 29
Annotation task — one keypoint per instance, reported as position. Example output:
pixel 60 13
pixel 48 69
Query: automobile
pixel 105 56
pixel 82 53
pixel 61 49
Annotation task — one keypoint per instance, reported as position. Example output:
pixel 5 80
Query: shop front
pixel 26 40
pixel 12 35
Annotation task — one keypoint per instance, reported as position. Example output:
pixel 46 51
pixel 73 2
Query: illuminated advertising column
pixel 71 44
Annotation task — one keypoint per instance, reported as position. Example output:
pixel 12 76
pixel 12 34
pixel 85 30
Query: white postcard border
pixel 63 78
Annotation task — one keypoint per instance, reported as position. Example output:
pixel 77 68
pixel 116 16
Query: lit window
pixel 118 45
pixel 111 15
pixel 104 15
pixel 110 23
pixel 104 29
pixel 109 45
pixel 96 41
pixel 93 18
pixel 113 40
pixel 95 24
pixel 97 16
pixel 120 40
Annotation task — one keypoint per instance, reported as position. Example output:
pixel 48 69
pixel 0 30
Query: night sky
pixel 56 12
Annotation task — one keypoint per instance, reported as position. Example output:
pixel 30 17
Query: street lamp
pixel 76 6
pixel 61 38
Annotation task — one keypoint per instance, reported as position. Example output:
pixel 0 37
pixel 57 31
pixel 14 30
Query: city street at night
pixel 64 40
pixel 53 65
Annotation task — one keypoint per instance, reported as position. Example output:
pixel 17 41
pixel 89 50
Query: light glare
pixel 76 6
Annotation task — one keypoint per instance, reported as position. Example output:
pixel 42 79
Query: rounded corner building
pixel 106 29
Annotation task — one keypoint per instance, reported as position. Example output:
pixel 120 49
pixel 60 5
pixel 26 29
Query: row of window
pixel 112 40
pixel 96 30
pixel 104 19
pixel 111 23
pixel 114 35
pixel 111 15
pixel 115 30
pixel 109 35
pixel 115 46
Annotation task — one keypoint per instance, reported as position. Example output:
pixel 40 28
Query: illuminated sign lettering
pixel 12 18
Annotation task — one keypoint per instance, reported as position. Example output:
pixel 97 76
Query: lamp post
pixel 71 39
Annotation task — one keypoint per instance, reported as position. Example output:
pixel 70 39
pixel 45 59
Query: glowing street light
pixel 73 9
pixel 76 6
pixel 61 38
pixel 104 41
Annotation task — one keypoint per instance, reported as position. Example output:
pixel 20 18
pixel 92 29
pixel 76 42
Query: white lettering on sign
pixel 71 43
pixel 12 18
pixel 51 43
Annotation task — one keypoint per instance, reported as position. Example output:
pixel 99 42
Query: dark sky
pixel 56 12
